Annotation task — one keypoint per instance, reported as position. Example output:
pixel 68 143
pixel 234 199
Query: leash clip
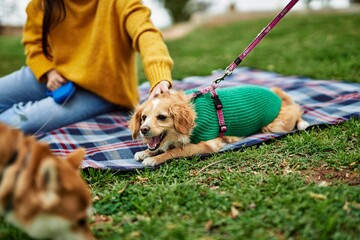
pixel 226 73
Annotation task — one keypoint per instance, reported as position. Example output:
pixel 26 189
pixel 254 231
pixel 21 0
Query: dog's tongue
pixel 154 141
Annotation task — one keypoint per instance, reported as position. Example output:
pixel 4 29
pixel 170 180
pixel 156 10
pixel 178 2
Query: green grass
pixel 303 186
pixel 11 54
pixel 325 46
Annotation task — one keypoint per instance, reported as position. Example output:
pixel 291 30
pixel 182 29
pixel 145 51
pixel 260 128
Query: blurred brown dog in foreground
pixel 40 193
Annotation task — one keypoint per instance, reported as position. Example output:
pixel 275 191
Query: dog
pixel 175 125
pixel 40 193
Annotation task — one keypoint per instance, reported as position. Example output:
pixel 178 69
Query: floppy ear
pixel 135 122
pixel 76 157
pixel 47 183
pixel 184 117
pixel 10 138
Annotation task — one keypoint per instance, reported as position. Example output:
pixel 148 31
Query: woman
pixel 92 44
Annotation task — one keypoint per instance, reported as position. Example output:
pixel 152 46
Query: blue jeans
pixel 24 104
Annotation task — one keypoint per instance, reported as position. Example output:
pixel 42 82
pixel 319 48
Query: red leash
pixel 235 63
pixel 254 43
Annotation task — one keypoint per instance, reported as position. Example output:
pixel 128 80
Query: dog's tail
pixel 286 99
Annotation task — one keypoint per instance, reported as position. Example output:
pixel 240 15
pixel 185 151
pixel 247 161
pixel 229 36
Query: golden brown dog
pixel 40 193
pixel 165 124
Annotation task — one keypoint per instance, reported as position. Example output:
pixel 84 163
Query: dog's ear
pixel 184 117
pixel 10 138
pixel 135 122
pixel 76 157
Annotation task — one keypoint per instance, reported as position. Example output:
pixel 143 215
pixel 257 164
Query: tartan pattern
pixel 109 144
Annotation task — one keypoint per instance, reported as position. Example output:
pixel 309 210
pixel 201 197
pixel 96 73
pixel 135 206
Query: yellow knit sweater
pixel 95 47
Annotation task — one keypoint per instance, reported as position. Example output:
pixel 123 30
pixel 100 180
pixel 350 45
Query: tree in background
pixel 181 10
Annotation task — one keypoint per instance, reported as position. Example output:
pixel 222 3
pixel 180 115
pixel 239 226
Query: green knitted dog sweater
pixel 246 110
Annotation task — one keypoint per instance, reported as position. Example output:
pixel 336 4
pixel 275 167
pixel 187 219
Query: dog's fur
pixel 40 193
pixel 170 117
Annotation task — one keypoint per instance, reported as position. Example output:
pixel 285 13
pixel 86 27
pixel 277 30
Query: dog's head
pixel 164 122
pixel 42 194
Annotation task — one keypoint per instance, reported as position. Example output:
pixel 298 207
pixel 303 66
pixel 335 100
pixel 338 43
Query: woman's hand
pixel 161 87
pixel 54 80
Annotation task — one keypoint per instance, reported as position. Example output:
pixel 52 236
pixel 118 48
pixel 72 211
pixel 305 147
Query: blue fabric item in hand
pixel 62 93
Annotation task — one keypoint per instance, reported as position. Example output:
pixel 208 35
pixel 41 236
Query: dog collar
pixel 217 103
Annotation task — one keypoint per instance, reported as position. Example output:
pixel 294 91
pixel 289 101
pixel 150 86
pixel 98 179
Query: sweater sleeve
pixel 148 40
pixel 32 37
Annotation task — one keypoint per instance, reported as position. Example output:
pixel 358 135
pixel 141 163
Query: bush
pixel 181 10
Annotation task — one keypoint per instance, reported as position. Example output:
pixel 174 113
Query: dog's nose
pixel 144 129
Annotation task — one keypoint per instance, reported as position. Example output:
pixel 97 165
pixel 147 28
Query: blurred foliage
pixel 7 8
pixel 181 10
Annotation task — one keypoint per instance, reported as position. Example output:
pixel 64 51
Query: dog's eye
pixel 161 117
pixel 143 117
pixel 82 222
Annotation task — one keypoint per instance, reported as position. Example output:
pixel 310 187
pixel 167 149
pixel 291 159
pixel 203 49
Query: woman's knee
pixel 25 116
pixel 20 86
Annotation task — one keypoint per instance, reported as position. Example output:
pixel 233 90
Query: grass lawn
pixel 303 186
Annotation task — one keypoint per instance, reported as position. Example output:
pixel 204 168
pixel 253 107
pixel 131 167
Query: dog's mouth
pixel 154 142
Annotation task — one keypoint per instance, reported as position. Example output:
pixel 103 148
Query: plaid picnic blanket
pixel 108 140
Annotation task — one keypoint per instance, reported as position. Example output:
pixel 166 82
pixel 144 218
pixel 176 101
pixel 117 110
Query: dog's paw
pixel 139 156
pixel 231 139
pixel 302 125
pixel 150 161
